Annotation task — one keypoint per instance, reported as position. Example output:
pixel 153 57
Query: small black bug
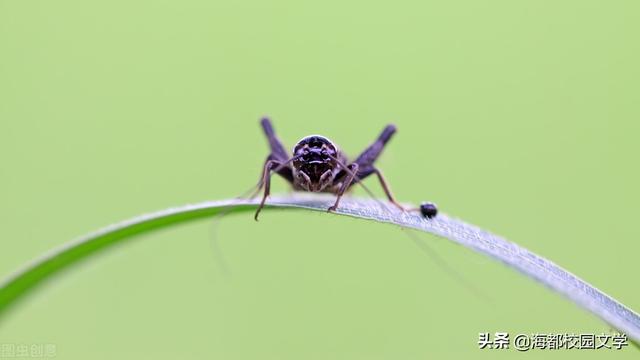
pixel 428 210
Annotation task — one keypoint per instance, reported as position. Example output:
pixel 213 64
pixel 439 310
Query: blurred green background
pixel 518 116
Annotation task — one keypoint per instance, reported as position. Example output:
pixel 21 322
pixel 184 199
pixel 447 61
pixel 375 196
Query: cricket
pixel 318 165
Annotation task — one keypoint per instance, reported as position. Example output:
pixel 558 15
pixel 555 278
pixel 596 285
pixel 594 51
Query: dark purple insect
pixel 428 210
pixel 318 165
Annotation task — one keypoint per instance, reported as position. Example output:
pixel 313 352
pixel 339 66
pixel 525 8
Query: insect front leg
pixel 266 182
pixel 281 169
pixel 353 170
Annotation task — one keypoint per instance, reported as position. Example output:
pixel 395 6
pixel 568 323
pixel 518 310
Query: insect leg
pixel 387 190
pixel 366 159
pixel 385 186
pixel 371 153
pixel 278 154
pixel 266 181
pixel 369 156
pixel 353 170
pixel 281 169
pixel 277 149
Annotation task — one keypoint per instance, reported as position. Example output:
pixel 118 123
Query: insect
pixel 428 210
pixel 318 165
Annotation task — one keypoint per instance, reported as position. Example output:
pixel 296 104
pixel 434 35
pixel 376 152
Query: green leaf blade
pixel 534 266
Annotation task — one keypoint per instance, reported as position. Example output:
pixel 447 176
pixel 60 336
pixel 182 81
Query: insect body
pixel 318 165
